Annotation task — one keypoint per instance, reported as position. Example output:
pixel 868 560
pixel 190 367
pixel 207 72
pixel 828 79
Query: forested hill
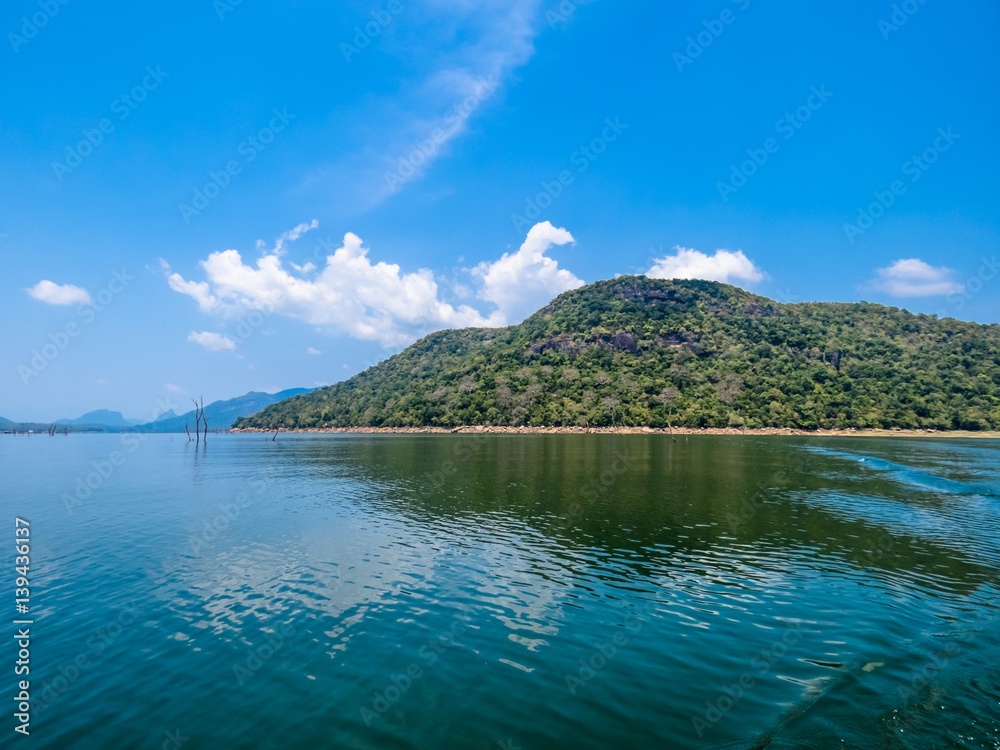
pixel 639 351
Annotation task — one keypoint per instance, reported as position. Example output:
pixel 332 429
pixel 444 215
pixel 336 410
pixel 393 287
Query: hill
pixel 640 351
pixel 222 414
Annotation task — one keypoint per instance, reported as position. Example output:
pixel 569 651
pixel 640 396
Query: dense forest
pixel 638 351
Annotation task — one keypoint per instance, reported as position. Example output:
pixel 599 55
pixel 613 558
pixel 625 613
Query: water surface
pixel 504 591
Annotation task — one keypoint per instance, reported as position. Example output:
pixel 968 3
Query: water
pixel 438 591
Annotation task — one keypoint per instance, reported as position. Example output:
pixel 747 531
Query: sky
pixel 207 198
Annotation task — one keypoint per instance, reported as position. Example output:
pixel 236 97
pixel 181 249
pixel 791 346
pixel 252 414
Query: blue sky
pixel 208 198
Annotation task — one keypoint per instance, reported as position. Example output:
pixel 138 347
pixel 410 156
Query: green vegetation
pixel 639 351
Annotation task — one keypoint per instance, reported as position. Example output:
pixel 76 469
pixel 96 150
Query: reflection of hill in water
pixel 731 502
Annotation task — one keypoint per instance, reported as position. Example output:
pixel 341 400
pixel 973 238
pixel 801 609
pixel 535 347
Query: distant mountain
pixel 100 418
pixel 648 352
pixel 222 414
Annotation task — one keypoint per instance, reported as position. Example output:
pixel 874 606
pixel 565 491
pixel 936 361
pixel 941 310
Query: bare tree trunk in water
pixel 197 422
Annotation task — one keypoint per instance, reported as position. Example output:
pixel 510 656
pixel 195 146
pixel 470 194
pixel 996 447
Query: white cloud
pixel 519 283
pixel 313 351
pixel 289 236
pixel 58 294
pixel 350 294
pixel 725 265
pixel 458 54
pixel 198 290
pixel 214 342
pixel 911 277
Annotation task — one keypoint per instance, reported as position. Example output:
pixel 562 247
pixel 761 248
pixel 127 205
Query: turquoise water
pixel 531 592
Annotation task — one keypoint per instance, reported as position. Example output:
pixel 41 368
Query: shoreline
pixel 497 430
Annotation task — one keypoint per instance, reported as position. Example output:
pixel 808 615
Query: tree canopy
pixel 635 351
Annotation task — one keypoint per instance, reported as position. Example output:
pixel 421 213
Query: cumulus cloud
pixel 58 294
pixel 725 265
pixel 911 277
pixel 313 351
pixel 348 293
pixel 214 342
pixel 519 283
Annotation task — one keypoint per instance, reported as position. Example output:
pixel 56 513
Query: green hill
pixel 639 351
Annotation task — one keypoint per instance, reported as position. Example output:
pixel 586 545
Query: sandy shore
pixel 479 430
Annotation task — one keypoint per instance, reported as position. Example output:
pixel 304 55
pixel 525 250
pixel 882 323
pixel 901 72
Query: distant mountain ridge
pixel 220 414
pixel 635 351
pixel 101 417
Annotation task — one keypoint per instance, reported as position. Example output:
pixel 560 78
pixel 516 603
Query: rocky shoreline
pixel 496 430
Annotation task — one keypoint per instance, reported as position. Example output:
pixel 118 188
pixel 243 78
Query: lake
pixel 507 591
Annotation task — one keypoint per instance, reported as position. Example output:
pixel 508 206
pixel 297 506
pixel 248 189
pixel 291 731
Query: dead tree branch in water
pixel 199 416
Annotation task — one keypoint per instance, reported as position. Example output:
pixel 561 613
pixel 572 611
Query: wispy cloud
pixel 463 52
pixel 214 342
pixel 58 294
pixel 912 277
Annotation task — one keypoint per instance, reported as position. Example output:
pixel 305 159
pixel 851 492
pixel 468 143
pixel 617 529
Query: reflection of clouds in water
pixel 731 583
pixel 333 576
pixel 526 589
